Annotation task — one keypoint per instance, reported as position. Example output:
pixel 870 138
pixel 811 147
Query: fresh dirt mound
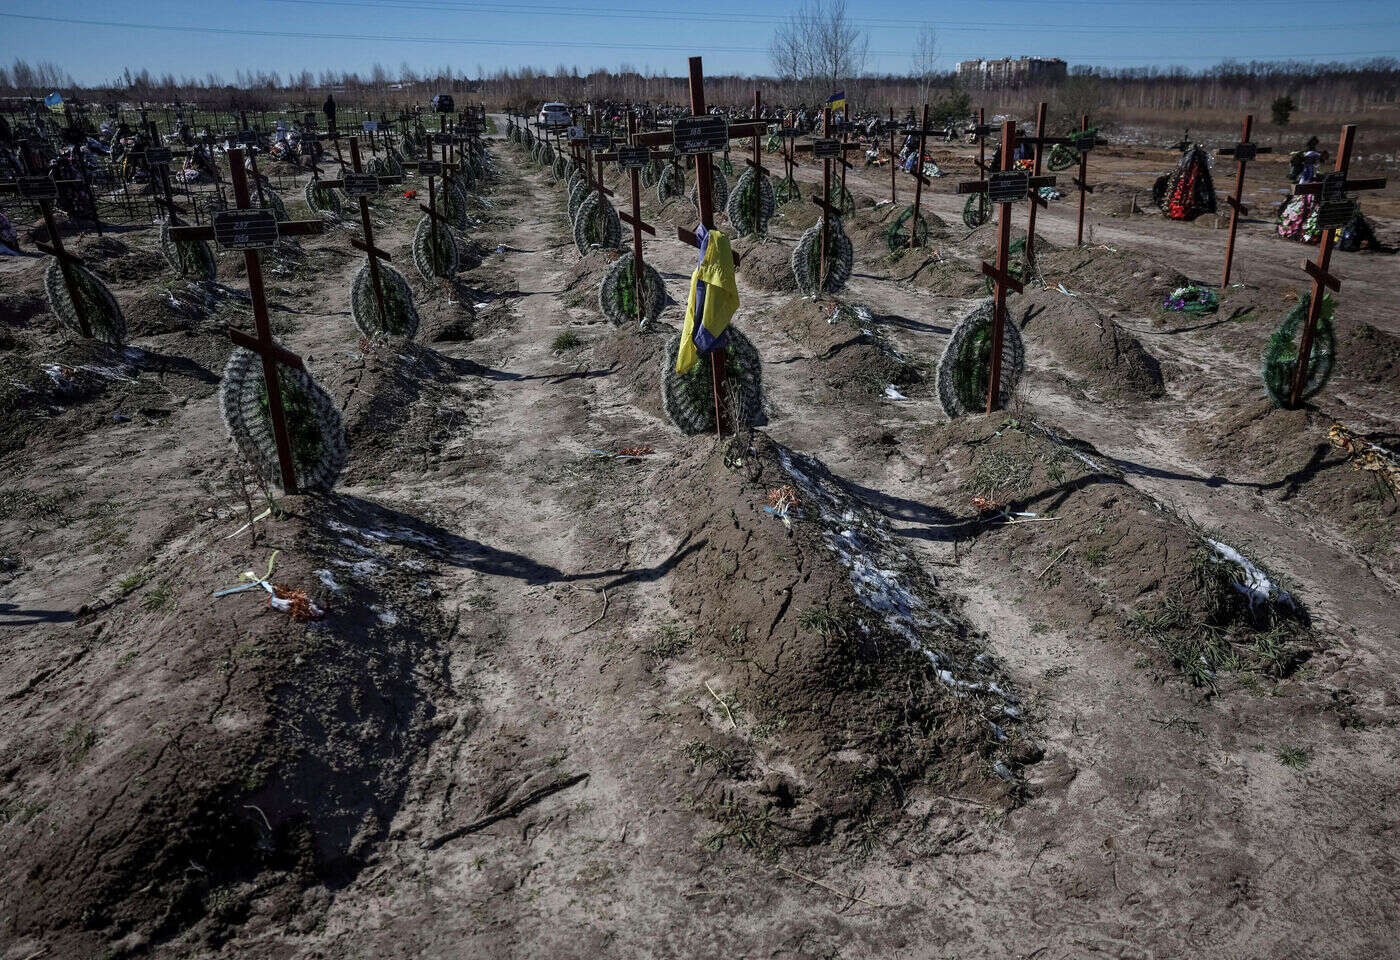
pixel 1113 559
pixel 634 358
pixel 122 265
pixel 193 760
pixel 1104 357
pixel 766 264
pixel 869 225
pixel 845 346
pixel 1288 454
pixel 1368 354
pixel 864 682
pixel 1121 276
pixel 582 280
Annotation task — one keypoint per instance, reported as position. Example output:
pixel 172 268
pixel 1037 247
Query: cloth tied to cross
pixel 714 297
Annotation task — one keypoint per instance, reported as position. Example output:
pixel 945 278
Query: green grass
pixel 1293 757
pixel 568 340
pixel 997 473
pixel 669 643
pixel 132 581
pixel 77 741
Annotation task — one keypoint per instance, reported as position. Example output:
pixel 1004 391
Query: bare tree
pixel 925 60
pixel 820 45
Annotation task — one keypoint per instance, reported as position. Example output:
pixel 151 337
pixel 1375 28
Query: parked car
pixel 555 115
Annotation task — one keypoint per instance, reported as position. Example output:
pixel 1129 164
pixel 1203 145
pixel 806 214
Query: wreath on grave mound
pixel 651 173
pixel 435 252
pixel 617 295
pixel 563 166
pixel 719 189
pixel 379 167
pixel 689 397
pixel 401 318
pixel 727 165
pixel 575 178
pixel 976 210
pixel 191 259
pixel 1192 299
pixel 577 194
pixel 455 203
pixel 1189 192
pixel 671 183
pixel 95 303
pixel 273 201
pixel 323 200
pixel 394 160
pixel 1020 269
pixel 845 202
pixel 546 156
pixel 897 233
pixel 1281 355
pixel 787 190
pixel 1062 157
pixel 752 186
pixel 774 143
pixel 965 368
pixel 806 259
pixel 313 424
pixel 597 224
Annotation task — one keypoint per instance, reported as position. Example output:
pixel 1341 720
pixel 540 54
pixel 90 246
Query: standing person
pixel 329 110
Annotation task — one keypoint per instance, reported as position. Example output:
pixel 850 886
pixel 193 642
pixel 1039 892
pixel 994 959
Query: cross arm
pixel 280 354
pixel 1374 183
pixel 641 225
pixel 359 244
pixel 688 236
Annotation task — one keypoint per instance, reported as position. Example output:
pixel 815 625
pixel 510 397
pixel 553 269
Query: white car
pixel 555 115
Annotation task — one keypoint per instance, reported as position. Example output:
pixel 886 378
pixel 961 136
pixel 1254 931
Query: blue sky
pixel 658 34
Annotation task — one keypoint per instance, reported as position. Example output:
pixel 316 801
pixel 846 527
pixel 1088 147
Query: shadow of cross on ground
pixel 384 524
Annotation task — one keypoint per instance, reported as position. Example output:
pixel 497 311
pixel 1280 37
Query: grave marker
pixel 255 222
pixel 1008 191
pixel 1334 186
pixel 1244 152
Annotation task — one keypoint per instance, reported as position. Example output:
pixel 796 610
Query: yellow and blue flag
pixel 54 102
pixel 837 101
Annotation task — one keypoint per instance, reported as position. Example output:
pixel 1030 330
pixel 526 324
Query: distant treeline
pixel 1315 88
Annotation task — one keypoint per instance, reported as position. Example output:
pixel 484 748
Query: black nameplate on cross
pixel 254 229
pixel 633 158
pixel 696 135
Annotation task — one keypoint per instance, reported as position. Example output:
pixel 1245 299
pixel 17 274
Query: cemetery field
pixel 1110 671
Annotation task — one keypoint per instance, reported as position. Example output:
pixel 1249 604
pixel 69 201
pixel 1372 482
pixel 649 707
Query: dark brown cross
pixel 43 190
pixel 263 345
pixel 703 189
pixel 1332 190
pixel 894 159
pixel 756 161
pixel 160 165
pixel 1084 142
pixel 373 253
pixel 980 129
pixel 919 178
pixel 828 209
pixel 1037 201
pixel 1004 191
pixel 634 219
pixel 1243 152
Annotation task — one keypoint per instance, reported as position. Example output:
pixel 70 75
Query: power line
pixel 594 45
pixel 890 23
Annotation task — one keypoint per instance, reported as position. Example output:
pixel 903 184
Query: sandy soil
pixel 535 724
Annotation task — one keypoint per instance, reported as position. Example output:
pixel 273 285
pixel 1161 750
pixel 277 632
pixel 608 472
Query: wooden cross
pixel 703 189
pixel 1004 190
pixel 828 209
pixel 634 219
pixel 1243 152
pixel 161 164
pixel 1085 141
pixel 919 178
pixel 1334 206
pixel 980 130
pixel 894 159
pixel 263 345
pixel 373 253
pixel 43 190
pixel 756 162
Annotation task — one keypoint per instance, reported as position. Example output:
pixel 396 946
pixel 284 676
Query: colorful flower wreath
pixel 1192 299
